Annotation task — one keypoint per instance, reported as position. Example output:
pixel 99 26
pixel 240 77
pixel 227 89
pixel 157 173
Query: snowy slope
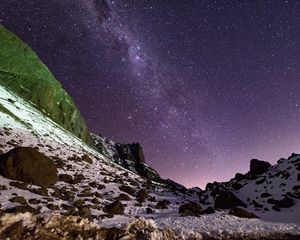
pixel 273 195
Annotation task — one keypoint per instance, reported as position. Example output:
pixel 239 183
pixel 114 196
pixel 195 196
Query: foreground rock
pixel 28 165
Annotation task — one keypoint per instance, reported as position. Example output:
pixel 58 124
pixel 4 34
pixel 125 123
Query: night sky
pixel 204 86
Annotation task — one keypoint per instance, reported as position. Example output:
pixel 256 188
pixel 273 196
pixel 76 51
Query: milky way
pixel 204 86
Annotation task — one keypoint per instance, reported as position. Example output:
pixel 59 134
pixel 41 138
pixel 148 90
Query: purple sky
pixel 204 86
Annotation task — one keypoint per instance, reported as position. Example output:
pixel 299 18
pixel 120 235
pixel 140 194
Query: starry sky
pixel 203 85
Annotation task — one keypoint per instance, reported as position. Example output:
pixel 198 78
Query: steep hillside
pixel 22 72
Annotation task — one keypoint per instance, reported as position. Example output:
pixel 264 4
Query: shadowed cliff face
pixel 22 72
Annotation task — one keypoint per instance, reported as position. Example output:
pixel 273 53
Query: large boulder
pixel 190 209
pixel 258 167
pixel 28 165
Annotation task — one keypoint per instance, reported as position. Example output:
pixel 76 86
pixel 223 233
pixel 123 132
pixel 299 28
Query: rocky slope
pixel 22 72
pixel 270 192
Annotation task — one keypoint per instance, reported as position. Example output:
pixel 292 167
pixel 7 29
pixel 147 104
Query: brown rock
pixel 163 204
pixel 18 199
pixel 123 197
pixel 28 165
pixel 190 209
pixel 87 159
pixel 114 208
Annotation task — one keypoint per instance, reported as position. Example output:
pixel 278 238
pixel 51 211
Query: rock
pixel 123 197
pixel 87 159
pixel 85 193
pixel 34 201
pixel 208 210
pixel 174 185
pixel 142 195
pixel 273 201
pixel 292 156
pixel 95 201
pixel 149 210
pixel 296 188
pixel 237 186
pixel 66 178
pixel 67 207
pixel 100 186
pixel 20 185
pixel 265 195
pixel 227 200
pixel 190 209
pixel 28 165
pixel 22 209
pixel 127 189
pixel 79 202
pixel 132 152
pixel 18 199
pixel 114 208
pixel 93 184
pixel 258 167
pixel 239 176
pixel 163 204
pixel 242 213
pixel 256 204
pixel 85 212
pixel 286 202
pixel 78 178
pixel 260 181
pixel 40 191
pixel 52 206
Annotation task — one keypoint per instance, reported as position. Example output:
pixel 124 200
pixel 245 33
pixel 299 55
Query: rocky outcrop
pixel 258 167
pixel 132 152
pixel 28 165
pixel 23 73
pixel 129 156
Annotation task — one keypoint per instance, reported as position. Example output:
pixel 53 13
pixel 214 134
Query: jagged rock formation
pixel 129 156
pixel 22 72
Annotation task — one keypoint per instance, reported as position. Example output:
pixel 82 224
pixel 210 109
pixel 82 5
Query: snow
pixel 221 225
